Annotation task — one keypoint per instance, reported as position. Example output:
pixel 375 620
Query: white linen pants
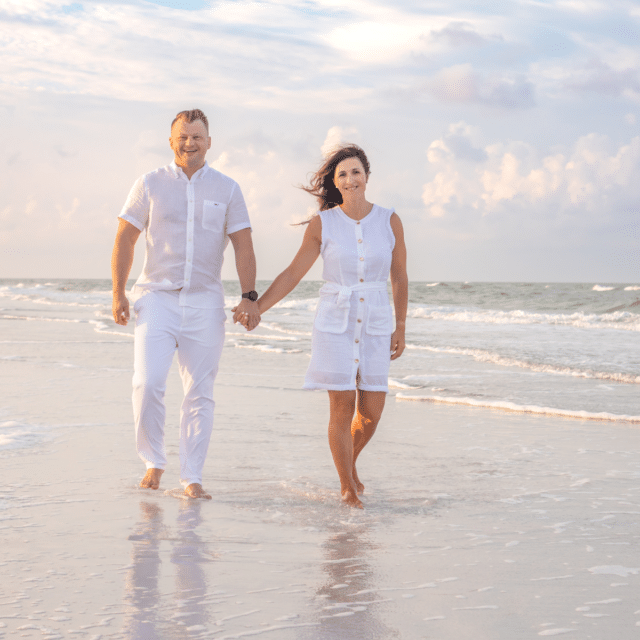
pixel 162 327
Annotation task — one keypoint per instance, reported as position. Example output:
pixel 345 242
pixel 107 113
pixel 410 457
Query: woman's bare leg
pixel 369 406
pixel 342 407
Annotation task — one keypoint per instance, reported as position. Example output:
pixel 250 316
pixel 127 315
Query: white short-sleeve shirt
pixel 187 225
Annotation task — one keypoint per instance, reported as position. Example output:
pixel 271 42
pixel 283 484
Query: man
pixel 189 212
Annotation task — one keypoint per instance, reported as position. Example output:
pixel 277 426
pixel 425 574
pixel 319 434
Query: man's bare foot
pixel 359 485
pixel 151 479
pixel 350 497
pixel 195 490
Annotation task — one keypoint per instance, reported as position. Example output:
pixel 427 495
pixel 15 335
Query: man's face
pixel 190 143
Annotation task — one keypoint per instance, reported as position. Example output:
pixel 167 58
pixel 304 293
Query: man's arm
pixel 246 268
pixel 121 261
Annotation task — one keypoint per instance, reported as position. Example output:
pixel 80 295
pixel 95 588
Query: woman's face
pixel 350 178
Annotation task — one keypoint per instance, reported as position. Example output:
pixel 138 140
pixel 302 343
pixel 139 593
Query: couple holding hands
pixel 189 212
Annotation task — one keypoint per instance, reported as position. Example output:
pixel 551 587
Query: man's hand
pixel 247 313
pixel 120 309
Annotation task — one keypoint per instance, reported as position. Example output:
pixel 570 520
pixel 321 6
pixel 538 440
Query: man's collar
pixel 178 173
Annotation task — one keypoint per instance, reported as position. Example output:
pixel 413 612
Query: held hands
pixel 397 343
pixel 247 314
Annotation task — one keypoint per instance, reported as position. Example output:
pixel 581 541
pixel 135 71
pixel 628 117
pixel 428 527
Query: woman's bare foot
pixel 359 485
pixel 151 479
pixel 195 490
pixel 350 497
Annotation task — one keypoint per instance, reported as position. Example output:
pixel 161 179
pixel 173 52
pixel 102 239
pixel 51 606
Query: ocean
pixel 570 350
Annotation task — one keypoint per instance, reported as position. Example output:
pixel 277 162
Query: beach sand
pixel 478 524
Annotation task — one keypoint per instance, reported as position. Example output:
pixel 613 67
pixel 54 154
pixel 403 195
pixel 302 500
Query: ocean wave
pixel 522 408
pixel 266 348
pixel 260 336
pixel 275 327
pixel 598 287
pixel 301 304
pixel 617 320
pixel 104 328
pixel 494 358
pixel 7 316
pixel 51 295
pixel 634 288
pixel 17 435
pixel 399 384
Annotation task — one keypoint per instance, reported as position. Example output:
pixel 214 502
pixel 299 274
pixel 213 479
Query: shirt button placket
pixel 357 337
pixel 188 263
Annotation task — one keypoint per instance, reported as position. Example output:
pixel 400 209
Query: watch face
pixel 252 295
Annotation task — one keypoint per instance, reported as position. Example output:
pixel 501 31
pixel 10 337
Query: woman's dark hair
pixel 322 185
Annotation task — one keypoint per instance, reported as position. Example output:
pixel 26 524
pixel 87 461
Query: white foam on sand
pixel 622 320
pixel 517 408
pixel 481 355
pixel 17 435
pixel 615 570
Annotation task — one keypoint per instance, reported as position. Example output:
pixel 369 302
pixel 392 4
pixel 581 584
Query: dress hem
pixel 333 387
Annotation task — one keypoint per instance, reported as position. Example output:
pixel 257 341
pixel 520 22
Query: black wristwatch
pixel 252 295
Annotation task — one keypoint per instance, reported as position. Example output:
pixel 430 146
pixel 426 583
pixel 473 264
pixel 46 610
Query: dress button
pixel 361 299
pixel 357 340
pixel 360 240
pixel 361 259
pixel 359 320
pixel 358 222
pixel 356 360
pixel 361 279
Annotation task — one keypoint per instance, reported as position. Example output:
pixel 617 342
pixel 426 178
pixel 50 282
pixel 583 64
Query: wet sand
pixel 477 523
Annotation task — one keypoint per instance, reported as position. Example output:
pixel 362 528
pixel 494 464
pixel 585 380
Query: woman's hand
pixel 248 319
pixel 397 343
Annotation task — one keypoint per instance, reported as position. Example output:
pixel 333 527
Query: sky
pixel 505 133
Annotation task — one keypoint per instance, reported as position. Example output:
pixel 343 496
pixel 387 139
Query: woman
pixel 353 337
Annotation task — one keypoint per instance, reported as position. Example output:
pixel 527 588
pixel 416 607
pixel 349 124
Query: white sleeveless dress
pixel 353 322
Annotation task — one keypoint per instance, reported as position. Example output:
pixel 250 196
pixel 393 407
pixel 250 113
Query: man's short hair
pixel 191 116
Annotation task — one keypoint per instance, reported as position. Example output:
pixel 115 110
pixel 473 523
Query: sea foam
pixel 518 408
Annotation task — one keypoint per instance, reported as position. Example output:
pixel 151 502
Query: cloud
pixel 599 77
pixel 458 34
pixel 590 182
pixel 337 136
pixel 462 84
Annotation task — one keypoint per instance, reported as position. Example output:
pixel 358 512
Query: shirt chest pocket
pixel 213 215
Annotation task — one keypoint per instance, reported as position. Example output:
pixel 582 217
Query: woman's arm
pixel 399 286
pixel 300 265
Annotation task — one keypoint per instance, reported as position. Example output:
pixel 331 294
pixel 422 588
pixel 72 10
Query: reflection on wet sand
pixel 187 556
pixel 145 619
pixel 141 582
pixel 349 598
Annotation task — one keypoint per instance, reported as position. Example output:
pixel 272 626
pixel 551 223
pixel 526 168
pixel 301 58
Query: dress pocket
pixel 331 318
pixel 379 321
pixel 213 215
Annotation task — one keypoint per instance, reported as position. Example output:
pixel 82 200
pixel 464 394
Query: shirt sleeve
pixel 237 213
pixel 136 208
